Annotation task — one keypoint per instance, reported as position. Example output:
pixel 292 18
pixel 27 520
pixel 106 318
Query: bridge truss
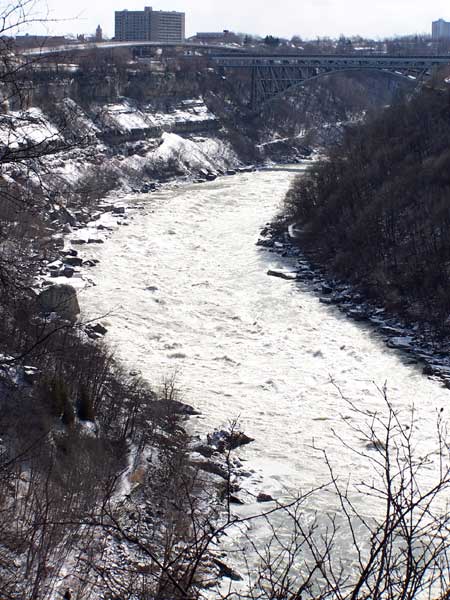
pixel 273 75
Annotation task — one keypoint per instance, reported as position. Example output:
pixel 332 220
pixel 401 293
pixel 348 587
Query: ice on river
pixel 188 291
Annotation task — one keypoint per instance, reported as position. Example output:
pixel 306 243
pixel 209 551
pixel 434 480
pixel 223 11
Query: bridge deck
pixel 381 61
pixel 49 50
pixel 248 59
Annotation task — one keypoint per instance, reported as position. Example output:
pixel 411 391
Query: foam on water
pixel 186 289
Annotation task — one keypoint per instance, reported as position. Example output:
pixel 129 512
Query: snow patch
pixel 27 127
pixel 206 154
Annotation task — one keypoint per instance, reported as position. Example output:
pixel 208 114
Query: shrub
pixel 85 407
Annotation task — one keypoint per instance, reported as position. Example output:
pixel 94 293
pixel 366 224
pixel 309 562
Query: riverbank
pixel 420 346
pixel 212 454
pixel 100 418
pixel 75 266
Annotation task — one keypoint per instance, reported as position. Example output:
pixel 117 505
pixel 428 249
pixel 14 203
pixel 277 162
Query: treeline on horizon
pixel 376 208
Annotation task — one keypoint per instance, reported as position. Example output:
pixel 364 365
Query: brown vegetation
pixel 375 209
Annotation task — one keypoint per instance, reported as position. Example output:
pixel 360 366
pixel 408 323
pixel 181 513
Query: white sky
pixel 307 18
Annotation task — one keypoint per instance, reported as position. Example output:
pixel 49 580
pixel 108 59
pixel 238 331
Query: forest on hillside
pixel 376 208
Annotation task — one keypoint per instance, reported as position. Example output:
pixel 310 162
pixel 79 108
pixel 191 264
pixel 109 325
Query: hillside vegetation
pixel 376 208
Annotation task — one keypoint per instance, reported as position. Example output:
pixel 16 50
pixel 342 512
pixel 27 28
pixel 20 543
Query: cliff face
pixel 121 142
pixel 83 130
pixel 120 115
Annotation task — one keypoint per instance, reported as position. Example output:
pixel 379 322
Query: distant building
pixel 99 34
pixel 34 41
pixel 441 30
pixel 216 37
pixel 149 25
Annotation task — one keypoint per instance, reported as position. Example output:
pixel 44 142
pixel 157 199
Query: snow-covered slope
pixel 127 117
pixel 120 145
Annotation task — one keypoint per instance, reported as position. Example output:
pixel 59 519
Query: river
pixel 186 290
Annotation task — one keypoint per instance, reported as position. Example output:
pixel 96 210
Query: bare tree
pixel 402 552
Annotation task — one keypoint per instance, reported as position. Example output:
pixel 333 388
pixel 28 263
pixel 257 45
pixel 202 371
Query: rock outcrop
pixel 61 299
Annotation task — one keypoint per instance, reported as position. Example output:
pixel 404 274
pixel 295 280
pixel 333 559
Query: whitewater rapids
pixel 186 290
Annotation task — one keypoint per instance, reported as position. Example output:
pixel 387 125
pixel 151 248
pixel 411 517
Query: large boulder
pixel 224 440
pixel 61 299
pixel 263 497
pixel 73 261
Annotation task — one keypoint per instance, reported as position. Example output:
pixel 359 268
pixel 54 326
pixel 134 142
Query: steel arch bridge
pixel 272 75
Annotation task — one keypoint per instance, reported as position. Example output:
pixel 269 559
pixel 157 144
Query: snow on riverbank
pixel 170 156
pixel 28 127
pixel 195 155
pixel 124 142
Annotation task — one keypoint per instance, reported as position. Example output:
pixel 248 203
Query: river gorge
pixel 184 289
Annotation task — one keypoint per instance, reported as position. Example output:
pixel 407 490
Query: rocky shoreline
pixel 432 356
pixel 75 231
pixel 71 271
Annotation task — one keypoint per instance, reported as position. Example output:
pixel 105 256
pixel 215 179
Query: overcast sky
pixel 307 18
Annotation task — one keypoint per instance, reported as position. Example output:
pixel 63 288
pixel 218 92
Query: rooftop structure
pixel 216 37
pixel 149 25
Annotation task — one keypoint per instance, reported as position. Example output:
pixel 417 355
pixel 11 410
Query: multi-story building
pixel 149 25
pixel 440 30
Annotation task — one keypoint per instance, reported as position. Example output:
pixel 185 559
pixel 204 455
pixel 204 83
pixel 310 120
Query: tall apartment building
pixel 440 30
pixel 149 25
